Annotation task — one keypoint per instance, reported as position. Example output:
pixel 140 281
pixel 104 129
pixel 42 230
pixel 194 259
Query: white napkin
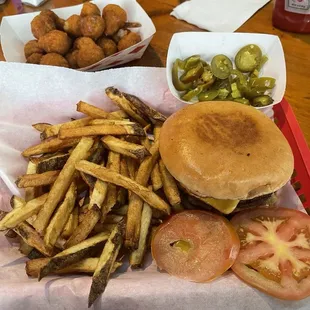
pixel 34 3
pixel 218 15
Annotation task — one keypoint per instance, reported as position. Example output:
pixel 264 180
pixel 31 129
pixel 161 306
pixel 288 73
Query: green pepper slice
pixel 208 95
pixel 242 100
pixel 180 86
pixel 262 83
pixel 256 71
pixel 193 93
pixel 235 92
pixel 191 62
pixel 240 76
pixel 262 101
pixel 248 58
pixel 192 74
pixel 221 66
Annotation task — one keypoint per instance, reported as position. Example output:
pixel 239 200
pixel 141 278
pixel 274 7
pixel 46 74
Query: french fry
pixel 109 176
pixel 138 105
pixel 119 114
pixel 50 131
pixel 95 130
pixel 132 167
pixel 113 219
pixel 62 184
pixel 116 96
pixel 54 129
pixel 91 110
pixel 73 254
pixel 84 228
pixel 31 193
pixel 97 156
pixel 37 159
pixel 50 145
pixel 113 165
pixel 121 211
pixel 32 238
pixel 87 265
pixel 170 188
pixel 41 126
pixel 157 132
pixel 55 162
pixel 71 224
pixel 102 227
pixel 136 257
pixel 24 248
pixel 122 194
pixel 60 218
pixel 38 179
pixel 11 234
pixel 17 202
pixel 125 148
pixel 99 193
pixel 156 178
pixel 18 215
pixel 106 262
pixel 145 141
pixel 101 121
pixel 35 254
pixel 135 203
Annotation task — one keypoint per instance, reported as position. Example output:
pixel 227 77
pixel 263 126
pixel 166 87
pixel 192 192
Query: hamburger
pixel 226 154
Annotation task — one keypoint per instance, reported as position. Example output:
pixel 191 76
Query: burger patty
pixel 191 202
pixel 255 202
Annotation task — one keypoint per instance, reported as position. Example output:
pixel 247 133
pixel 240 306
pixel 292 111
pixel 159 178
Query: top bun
pixel 225 150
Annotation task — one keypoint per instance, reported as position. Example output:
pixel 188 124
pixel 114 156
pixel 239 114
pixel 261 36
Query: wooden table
pixel 296 47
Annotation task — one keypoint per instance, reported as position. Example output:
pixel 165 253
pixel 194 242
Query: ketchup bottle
pixel 292 15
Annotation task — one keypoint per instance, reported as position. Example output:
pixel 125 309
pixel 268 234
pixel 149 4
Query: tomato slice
pixel 195 245
pixel 275 251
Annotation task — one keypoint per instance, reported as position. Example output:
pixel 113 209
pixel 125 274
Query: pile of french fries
pixel 95 189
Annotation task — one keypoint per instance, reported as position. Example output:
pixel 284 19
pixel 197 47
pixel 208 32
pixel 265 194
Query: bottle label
pixel 298 6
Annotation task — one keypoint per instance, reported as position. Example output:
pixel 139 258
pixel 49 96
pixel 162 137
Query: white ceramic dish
pixel 209 44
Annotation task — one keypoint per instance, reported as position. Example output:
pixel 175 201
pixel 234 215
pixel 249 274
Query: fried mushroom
pixel 34 58
pixel 108 46
pixel 41 25
pixel 92 26
pixel 32 47
pixel 72 25
pixel 55 41
pixel 128 40
pixel 90 9
pixel 54 59
pixel 115 18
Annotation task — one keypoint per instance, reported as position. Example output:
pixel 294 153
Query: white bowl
pixel 16 31
pixel 209 44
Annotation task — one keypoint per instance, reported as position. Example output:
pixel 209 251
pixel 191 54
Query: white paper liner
pixel 31 94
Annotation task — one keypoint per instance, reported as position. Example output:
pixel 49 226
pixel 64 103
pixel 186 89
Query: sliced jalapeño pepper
pixel 262 101
pixel 242 100
pixel 191 62
pixel 192 74
pixel 208 95
pixel 193 93
pixel 180 86
pixel 248 58
pixel 262 83
pixel 221 66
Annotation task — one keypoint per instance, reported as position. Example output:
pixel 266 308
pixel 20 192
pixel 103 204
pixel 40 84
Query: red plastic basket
pixel 286 121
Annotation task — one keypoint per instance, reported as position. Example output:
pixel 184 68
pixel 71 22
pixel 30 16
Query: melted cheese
pixel 225 206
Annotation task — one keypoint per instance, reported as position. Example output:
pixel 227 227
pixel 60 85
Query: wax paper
pixel 30 94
